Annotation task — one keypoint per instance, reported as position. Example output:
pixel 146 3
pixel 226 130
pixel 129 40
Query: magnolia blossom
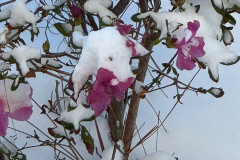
pixel 14 104
pixel 189 47
pixel 106 87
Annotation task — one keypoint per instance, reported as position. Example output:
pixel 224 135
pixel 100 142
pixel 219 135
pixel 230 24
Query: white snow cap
pixel 77 115
pixel 100 7
pixel 104 48
pixel 77 38
pixel 161 155
pixel 24 53
pixel 216 51
pixel 20 14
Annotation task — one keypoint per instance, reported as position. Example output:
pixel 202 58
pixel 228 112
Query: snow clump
pixel 100 7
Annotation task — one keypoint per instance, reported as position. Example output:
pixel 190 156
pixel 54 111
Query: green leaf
pixel 46 46
pixel 62 30
pixel 165 65
pixel 218 10
pixel 17 82
pixel 197 8
pixel 228 18
pixel 134 18
pixel 87 140
pixel 52 133
pixel 156 42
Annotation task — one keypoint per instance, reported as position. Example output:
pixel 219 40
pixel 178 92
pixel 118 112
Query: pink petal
pixel 21 114
pixel 76 11
pixel 119 89
pixel 3 123
pixel 131 44
pixel 15 100
pixel 1 104
pixel 103 91
pixel 99 100
pixel 197 51
pixel 184 62
pixel 193 27
pixel 123 28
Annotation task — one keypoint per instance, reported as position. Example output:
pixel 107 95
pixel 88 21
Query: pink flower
pixel 105 88
pixel 76 11
pixel 124 30
pixel 190 47
pixel 14 104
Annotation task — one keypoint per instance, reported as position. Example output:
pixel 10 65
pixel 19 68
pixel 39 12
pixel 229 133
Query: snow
pixel 4 66
pixel 227 37
pixel 3 35
pixel 138 88
pixel 77 115
pixel 20 14
pixel 216 52
pixel 7 144
pixel 48 7
pixel 5 14
pixel 51 62
pixel 114 56
pixel 160 155
pixel 77 38
pixel 100 7
pixel 24 53
pixel 107 153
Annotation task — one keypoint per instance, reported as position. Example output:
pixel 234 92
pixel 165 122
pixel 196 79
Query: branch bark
pixel 120 7
pixel 143 64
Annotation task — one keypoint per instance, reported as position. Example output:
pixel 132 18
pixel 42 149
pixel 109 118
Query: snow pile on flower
pixel 14 104
pixel 216 52
pixel 108 59
pixel 100 7
pixel 189 46
pixel 19 14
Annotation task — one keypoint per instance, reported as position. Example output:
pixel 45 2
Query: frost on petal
pixel 103 90
pixel 24 53
pixel 3 123
pixel 184 62
pixel 21 114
